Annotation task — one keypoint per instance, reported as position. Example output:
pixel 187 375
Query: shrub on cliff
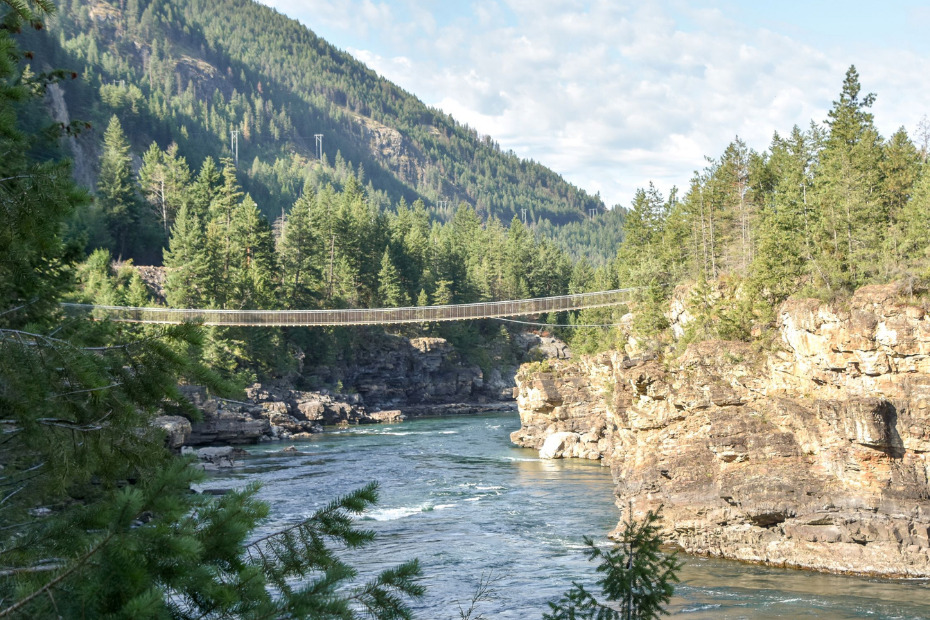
pixel 637 577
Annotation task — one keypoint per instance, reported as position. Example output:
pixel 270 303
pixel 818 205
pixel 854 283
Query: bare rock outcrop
pixel 813 455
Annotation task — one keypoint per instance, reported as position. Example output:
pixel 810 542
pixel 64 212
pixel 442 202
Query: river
pixel 456 494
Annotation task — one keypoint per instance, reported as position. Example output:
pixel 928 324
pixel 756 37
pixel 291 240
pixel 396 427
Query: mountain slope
pixel 194 71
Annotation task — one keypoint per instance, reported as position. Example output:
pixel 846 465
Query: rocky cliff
pixel 389 379
pixel 812 452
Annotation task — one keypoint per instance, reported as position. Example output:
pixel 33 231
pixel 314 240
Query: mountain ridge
pixel 185 71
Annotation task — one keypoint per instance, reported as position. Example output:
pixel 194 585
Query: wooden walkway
pixel 360 316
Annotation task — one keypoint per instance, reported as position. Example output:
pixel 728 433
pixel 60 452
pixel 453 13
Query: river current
pixel 456 494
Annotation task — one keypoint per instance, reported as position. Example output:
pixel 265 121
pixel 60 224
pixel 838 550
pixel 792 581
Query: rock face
pixel 814 455
pixel 418 374
pixel 391 378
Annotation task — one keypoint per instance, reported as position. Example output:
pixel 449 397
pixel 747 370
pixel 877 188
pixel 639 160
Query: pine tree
pixel 35 198
pixel 390 290
pixel 223 203
pixel 252 273
pixel 784 234
pixel 637 577
pixel 848 190
pixel 301 257
pixel 900 168
pixel 186 262
pixel 200 195
pixel 116 190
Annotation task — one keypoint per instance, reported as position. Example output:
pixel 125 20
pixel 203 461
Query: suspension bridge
pixel 355 316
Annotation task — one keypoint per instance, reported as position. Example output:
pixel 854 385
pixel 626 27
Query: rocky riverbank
pixel 812 453
pixel 392 379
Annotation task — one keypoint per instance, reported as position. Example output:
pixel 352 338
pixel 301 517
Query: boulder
pixel 558 444
pixel 177 430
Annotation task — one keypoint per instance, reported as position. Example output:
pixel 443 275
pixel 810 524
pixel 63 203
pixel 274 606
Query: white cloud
pixel 612 95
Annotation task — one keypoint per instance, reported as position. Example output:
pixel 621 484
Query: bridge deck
pixel 360 316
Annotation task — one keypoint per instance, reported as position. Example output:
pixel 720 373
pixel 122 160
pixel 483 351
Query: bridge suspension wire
pixel 355 316
pixel 569 325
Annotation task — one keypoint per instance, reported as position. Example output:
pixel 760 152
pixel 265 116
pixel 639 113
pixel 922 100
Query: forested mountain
pixel 198 72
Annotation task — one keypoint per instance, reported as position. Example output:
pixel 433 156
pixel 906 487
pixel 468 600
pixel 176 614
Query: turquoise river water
pixel 456 494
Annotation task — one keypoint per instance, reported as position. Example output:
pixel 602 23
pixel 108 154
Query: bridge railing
pixel 356 316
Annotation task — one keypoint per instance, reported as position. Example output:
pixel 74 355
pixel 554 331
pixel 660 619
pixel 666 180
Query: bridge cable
pixel 496 318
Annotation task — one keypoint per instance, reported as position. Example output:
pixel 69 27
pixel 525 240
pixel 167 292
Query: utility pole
pixel 234 145
pixel 319 145
pixel 592 213
pixel 442 204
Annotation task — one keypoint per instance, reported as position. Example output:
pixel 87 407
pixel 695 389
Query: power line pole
pixel 524 216
pixel 234 144
pixel 592 213
pixel 319 145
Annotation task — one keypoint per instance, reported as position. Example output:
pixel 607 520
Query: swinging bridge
pixel 355 316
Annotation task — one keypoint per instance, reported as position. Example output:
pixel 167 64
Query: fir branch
pixel 39 568
pixel 11 494
pixel 54 582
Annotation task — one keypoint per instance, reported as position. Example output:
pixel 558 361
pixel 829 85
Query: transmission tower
pixel 592 213
pixel 319 145
pixel 524 216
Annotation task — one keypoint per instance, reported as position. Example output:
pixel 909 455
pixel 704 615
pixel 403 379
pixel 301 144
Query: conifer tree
pixel 223 203
pixel 784 234
pixel 201 193
pixel 252 273
pixel 390 290
pixel 900 167
pixel 300 254
pixel 116 190
pixel 187 262
pixel 637 577
pixel 851 215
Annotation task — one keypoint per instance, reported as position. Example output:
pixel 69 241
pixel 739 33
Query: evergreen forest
pixel 181 72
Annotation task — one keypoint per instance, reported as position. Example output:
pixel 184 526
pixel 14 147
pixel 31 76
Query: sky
pixel 614 95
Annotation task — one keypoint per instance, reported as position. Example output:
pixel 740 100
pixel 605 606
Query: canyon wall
pixel 811 451
pixel 389 379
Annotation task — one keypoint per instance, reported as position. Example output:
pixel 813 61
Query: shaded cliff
pixel 813 454
pixel 389 379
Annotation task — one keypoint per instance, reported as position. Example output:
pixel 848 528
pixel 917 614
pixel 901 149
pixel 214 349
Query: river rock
pixel 813 454
pixel 177 430
pixel 558 445
pixel 387 417
pixel 214 457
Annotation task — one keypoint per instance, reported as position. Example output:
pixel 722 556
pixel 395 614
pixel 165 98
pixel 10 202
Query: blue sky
pixel 613 95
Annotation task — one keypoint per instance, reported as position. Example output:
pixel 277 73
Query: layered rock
pixel 813 455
